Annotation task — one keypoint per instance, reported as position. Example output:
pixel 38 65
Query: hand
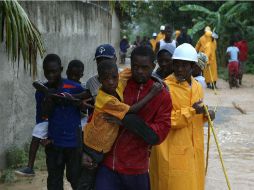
pixel 85 104
pixel 156 88
pixel 45 142
pixel 112 119
pixel 199 107
pixel 87 161
pixel 212 114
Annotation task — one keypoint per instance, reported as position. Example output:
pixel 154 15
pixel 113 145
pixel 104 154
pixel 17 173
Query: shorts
pixel 233 68
pixel 41 130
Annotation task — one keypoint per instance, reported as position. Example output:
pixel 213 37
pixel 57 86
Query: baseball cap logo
pixel 102 49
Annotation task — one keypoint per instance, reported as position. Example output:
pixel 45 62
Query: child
pixel 40 132
pixel 99 135
pixel 164 58
pixel 199 67
pixel 233 64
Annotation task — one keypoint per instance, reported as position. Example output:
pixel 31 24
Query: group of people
pixel 138 129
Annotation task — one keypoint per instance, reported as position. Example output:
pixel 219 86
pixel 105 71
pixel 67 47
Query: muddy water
pixel 235 132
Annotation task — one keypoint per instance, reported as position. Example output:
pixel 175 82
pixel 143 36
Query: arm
pixel 156 88
pixel 157 47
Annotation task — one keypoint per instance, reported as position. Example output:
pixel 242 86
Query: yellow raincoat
pixel 210 51
pixel 160 36
pixel 208 46
pixel 153 43
pixel 178 163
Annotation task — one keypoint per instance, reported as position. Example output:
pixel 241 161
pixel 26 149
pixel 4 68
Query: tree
pixel 21 37
pixel 231 17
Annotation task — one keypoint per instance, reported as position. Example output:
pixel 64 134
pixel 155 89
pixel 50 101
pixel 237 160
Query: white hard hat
pixel 154 34
pixel 185 52
pixel 162 27
pixel 207 28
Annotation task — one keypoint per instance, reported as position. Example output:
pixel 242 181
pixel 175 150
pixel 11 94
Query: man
pixel 126 165
pixel 243 55
pixel 104 51
pixel 161 34
pixel 178 163
pixel 124 45
pixel 153 41
pixel 166 40
pixel 206 44
pixel 210 72
pixel 184 37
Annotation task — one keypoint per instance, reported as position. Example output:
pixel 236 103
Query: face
pixel 196 70
pixel 182 70
pixel 75 73
pixel 100 59
pixel 165 62
pixel 168 33
pixel 109 80
pixel 52 72
pixel 141 68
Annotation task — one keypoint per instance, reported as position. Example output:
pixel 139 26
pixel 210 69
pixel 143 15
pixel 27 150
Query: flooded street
pixel 235 132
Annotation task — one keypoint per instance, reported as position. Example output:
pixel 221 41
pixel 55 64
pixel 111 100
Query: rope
pixel 218 147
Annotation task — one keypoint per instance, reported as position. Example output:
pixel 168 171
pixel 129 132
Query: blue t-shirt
pixel 64 121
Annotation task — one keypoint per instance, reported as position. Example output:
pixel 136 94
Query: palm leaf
pixel 21 36
pixel 226 6
pixel 197 27
pixel 196 8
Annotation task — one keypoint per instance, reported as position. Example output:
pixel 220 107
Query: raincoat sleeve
pixel 182 117
pixel 162 122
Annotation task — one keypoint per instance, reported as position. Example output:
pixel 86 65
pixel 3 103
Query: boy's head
pixel 52 69
pixel 164 58
pixel 142 64
pixel 103 52
pixel 108 76
pixel 184 58
pixel 168 32
pixel 75 70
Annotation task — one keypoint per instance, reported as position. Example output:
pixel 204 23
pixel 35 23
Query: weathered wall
pixel 72 30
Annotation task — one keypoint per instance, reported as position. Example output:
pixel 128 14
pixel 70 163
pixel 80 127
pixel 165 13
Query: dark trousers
pixel 107 179
pixel 59 158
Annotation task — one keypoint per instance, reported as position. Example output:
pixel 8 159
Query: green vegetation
pixel 17 158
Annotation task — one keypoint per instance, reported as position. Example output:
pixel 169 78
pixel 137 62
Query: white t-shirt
pixel 233 51
pixel 201 80
pixel 162 43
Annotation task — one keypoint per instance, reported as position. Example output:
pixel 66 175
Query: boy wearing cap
pixel 164 58
pixel 178 163
pixel 104 51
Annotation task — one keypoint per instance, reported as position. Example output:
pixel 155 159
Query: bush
pixel 16 157
pixel 223 73
pixel 7 176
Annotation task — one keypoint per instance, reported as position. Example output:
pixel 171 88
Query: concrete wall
pixel 72 30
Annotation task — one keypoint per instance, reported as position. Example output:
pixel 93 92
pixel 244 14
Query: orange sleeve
pixel 116 108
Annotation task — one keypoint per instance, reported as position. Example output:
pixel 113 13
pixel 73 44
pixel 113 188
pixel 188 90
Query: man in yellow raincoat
pixel 178 163
pixel 207 44
pixel 161 34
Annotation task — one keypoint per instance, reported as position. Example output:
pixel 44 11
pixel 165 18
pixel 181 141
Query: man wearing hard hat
pixel 161 35
pixel 153 41
pixel 178 163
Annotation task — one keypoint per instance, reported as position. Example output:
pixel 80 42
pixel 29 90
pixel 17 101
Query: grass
pixel 16 158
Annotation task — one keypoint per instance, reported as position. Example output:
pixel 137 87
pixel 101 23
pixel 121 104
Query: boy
pixel 40 132
pixel 233 64
pixel 99 135
pixel 198 67
pixel 164 58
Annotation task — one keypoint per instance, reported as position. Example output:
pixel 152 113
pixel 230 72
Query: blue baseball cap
pixel 105 50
